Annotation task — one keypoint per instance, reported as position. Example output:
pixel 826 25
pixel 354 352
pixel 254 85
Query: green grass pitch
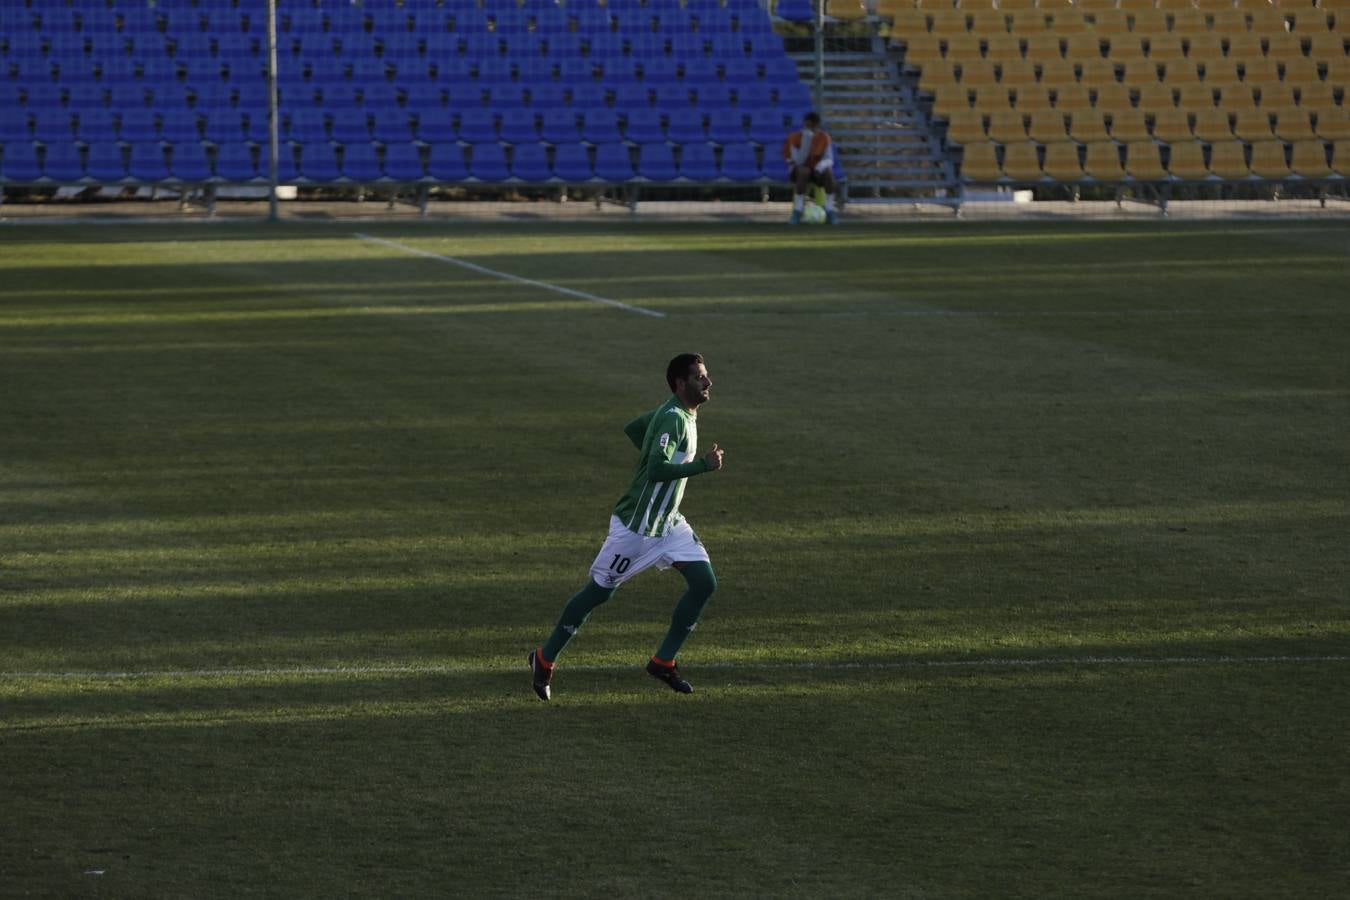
pixel 1032 544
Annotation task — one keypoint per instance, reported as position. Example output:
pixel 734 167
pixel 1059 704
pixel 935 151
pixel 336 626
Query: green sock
pixel 702 582
pixel 574 615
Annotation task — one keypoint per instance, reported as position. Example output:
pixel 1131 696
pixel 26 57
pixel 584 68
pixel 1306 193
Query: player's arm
pixel 819 144
pixel 660 468
pixel 637 429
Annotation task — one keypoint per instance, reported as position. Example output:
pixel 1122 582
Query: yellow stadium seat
pixel 1245 47
pixel 1221 73
pixel 1029 22
pixel 1230 21
pixel 1326 46
pixel 1072 97
pixel 1015 74
pixel 1317 93
pixel 1021 162
pixel 977 73
pixel 1097 71
pixel 1148 22
pixel 1253 125
pixel 1112 96
pixel 1128 125
pixel 1032 98
pixel 947 22
pixel 1294 124
pixel 1003 48
pixel 1260 71
pixel 1155 97
pixel 949 99
pixel 846 10
pixel 992 98
pixel 1310 160
pixel 1007 127
pixel 1213 125
pixel 1081 47
pixel 1102 162
pixel 1181 72
pixel 1056 72
pixel 979 164
pixel 1333 124
pixel 1204 47
pixel 989 22
pixel 1338 71
pixel 908 21
pixel 1143 162
pixel 1283 45
pixel 1088 127
pixel 1175 5
pixel 965 127
pixel 1268 160
pixel 1126 48
pixel 1298 71
pixel 1166 48
pixel 1237 97
pixel 1188 22
pixel 1010 5
pixel 922 48
pixel 1228 160
pixel 1277 96
pixel 1055 6
pixel 1171 126
pixel 1307 22
pixel 888 8
pixel 1110 23
pixel 1096 6
pixel 1047 127
pixel 1195 97
pixel 1062 162
pixel 961 47
pixel 1187 162
pixel 1136 5
pixel 1043 46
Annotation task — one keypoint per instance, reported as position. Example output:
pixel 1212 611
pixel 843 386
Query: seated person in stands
pixel 809 154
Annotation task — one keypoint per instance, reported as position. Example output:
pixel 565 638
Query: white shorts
pixel 626 553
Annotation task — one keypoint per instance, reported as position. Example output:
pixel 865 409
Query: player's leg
pixel 686 553
pixel 825 178
pixel 801 183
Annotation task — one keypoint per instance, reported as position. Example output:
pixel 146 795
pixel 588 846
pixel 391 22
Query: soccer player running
pixel 647 529
pixel 809 154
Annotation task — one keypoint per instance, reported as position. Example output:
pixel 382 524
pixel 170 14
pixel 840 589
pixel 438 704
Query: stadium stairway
pixel 885 144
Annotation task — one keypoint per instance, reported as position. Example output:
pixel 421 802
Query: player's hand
pixel 714 458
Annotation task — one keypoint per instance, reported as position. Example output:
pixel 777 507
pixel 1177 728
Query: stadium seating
pixel 384 92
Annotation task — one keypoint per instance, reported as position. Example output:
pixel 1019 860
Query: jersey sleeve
pixel 637 429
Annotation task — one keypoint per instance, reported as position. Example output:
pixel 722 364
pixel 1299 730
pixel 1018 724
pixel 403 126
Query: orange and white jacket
pixel 817 153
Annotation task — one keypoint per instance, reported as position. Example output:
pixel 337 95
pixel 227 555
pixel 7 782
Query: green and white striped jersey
pixel 667 457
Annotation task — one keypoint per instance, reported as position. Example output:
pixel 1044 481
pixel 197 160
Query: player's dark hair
pixel 679 367
pixel 812 118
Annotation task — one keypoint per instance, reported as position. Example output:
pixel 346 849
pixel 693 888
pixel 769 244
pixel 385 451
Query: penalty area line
pixel 507 276
pixel 843 665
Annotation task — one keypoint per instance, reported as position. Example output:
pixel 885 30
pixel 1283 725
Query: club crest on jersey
pixel 665 441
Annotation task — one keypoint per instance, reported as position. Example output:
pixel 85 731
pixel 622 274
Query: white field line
pixel 507 276
pixel 498 669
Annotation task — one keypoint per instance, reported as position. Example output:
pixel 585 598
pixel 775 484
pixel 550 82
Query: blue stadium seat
pixel 207 99
pixel 508 96
pixel 487 162
pixel 730 48
pixel 424 97
pixel 519 126
pixel 20 162
pixel 547 96
pixel 559 126
pixel 613 162
pixel 629 97
pixel 437 128
pixel 795 96
pixel 494 71
pixel 318 162
pixel 660 70
pixel 698 163
pixel 713 97
pixel 644 126
pixel 52 126
pixel 106 163
pixel 147 162
pixel 189 163
pixel 750 97
pixel 180 126
pixel 477 126
pixel 769 126
pixel 369 71
pixel 403 162
pixel 600 126
pixel 125 97
pixel 685 126
pixel 86 96
pixel 376 97
pixel 288 172
pixel 96 125
pixel 529 162
pixel 656 162
pixel 351 127
pixel 445 162
pixel 726 127
pixel 63 163
pixel 586 96
pixel 14 126
pixel 222 126
pixel 739 163
pixel 701 72
pixel 257 128
pixel 741 71
pixel 572 163
pixel 361 163
pixel 340 99
pixel 305 126
pixel 235 162
pixel 798 11
pixel 391 126
pixel 465 96
pixel 671 97
pixel 166 97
